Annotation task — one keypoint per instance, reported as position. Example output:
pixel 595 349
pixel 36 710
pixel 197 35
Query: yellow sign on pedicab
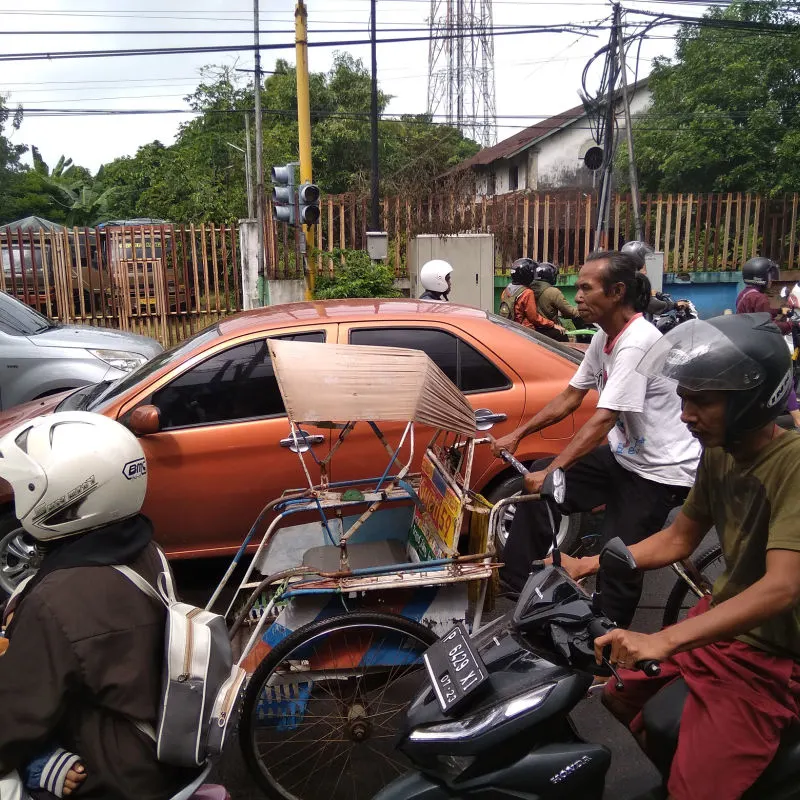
pixel 434 531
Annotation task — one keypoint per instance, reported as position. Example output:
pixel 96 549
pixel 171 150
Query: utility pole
pixel 248 165
pixel 604 204
pixel 304 129
pixel 634 178
pixel 375 224
pixel 260 211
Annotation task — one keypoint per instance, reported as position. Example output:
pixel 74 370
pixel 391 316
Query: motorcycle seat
pixel 662 720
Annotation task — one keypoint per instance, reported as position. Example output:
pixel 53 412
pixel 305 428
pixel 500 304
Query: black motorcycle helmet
pixel 639 250
pixel 547 272
pixel 743 355
pixel 759 271
pixel 523 271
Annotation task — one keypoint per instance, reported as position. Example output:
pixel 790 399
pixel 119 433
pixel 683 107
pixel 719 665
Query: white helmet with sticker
pixel 72 471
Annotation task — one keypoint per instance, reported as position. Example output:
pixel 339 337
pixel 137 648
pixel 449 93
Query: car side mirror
pixel 616 560
pixel 554 487
pixel 145 420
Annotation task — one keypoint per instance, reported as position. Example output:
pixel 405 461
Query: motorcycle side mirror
pixel 554 488
pixel 554 492
pixel 785 291
pixel 616 560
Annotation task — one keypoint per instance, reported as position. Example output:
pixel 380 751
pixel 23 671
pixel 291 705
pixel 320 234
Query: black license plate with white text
pixel 455 670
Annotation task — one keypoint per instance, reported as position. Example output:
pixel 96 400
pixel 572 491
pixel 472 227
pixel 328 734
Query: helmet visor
pixel 698 357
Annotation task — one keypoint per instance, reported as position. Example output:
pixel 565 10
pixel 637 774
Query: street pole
pixel 604 204
pixel 375 224
pixel 634 179
pixel 304 129
pixel 248 165
pixel 260 210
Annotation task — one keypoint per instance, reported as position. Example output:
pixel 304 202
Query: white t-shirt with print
pixel 649 437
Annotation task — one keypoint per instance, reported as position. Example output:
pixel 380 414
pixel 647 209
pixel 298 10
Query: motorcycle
pixel 493 720
pixel 679 312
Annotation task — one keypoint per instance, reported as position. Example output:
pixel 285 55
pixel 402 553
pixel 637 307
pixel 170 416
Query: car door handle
pixel 304 439
pixel 485 419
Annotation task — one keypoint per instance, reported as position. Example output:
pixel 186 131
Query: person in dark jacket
pixel 85 657
pixel 660 303
pixel 518 301
pixel 436 279
pixel 550 300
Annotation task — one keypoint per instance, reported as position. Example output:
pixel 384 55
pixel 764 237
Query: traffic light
pixel 283 197
pixel 308 197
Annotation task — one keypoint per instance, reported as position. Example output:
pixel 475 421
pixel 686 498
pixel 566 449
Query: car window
pixel 152 366
pixel 575 356
pixel 470 370
pixel 17 319
pixel 236 384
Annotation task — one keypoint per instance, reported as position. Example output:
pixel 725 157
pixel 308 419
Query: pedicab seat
pixel 362 555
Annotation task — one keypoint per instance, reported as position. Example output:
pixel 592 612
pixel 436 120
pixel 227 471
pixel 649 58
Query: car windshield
pixel 17 319
pixel 562 348
pixel 118 387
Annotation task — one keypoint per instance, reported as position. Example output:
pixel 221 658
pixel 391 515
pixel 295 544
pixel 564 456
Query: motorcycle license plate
pixel 455 670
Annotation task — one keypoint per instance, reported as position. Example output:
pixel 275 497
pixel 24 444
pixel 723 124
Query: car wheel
pixel 569 529
pixel 19 558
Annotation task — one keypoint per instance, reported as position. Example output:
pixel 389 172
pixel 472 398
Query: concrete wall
pixel 286 291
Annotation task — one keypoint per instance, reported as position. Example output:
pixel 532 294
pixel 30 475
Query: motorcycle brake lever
pixel 618 685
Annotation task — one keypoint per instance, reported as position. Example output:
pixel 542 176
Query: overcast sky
pixel 536 75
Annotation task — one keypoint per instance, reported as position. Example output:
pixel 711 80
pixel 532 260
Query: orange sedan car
pixel 221 451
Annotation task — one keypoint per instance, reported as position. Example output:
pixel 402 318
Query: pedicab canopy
pixel 342 383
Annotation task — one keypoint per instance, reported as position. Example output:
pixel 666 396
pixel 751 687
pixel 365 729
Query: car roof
pixel 345 311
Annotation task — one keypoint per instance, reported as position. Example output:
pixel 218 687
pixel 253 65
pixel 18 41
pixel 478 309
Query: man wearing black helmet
pixel 518 301
pixel 550 300
pixel 660 303
pixel 738 652
pixel 758 274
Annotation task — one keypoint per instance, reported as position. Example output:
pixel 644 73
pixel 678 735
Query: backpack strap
pixel 165 594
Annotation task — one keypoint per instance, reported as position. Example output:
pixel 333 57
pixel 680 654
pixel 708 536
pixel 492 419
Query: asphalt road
pixel 630 775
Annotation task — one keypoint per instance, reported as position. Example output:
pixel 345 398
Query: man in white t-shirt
pixel 633 455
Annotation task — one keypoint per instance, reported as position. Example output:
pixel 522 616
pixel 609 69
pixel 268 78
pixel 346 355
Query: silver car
pixel 39 357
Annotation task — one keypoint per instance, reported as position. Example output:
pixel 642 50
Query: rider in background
pixel 660 303
pixel 518 301
pixel 758 274
pixel 435 279
pixel 739 650
pixel 632 455
pixel 550 300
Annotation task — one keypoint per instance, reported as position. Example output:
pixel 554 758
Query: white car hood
pixel 88 336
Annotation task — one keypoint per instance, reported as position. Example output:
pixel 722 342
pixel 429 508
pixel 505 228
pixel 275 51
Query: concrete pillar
pixel 248 250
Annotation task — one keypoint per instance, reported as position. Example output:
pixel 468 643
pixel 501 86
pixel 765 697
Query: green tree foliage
pixel 201 177
pixel 11 169
pixel 357 277
pixel 726 110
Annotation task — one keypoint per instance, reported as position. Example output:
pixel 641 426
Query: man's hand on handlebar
pixel 577 568
pixel 533 481
pixel 508 442
pixel 628 648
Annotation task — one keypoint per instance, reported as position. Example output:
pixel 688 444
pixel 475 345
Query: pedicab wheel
pixel 710 563
pixel 322 710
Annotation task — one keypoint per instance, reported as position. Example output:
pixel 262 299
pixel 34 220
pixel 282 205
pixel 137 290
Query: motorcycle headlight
pixel 469 727
pixel 120 359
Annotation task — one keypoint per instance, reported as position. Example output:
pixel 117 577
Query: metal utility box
pixel 472 257
pixel 378 245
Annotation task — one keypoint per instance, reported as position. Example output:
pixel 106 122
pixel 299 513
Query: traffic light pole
pixel 260 210
pixel 304 129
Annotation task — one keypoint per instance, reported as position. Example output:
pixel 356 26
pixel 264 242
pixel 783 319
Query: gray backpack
pixel 201 684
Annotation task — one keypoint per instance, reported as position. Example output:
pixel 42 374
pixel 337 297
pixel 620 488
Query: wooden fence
pixel 164 281
pixel 696 232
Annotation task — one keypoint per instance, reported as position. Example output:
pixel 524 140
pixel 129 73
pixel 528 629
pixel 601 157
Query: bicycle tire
pixel 679 592
pixel 304 637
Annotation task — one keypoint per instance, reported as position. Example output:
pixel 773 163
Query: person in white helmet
pixel 85 646
pixel 435 279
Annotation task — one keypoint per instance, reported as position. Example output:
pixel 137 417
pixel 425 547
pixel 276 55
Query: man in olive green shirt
pixel 738 652
pixel 550 300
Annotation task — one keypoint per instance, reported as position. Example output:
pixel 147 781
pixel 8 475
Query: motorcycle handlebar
pixel 599 627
